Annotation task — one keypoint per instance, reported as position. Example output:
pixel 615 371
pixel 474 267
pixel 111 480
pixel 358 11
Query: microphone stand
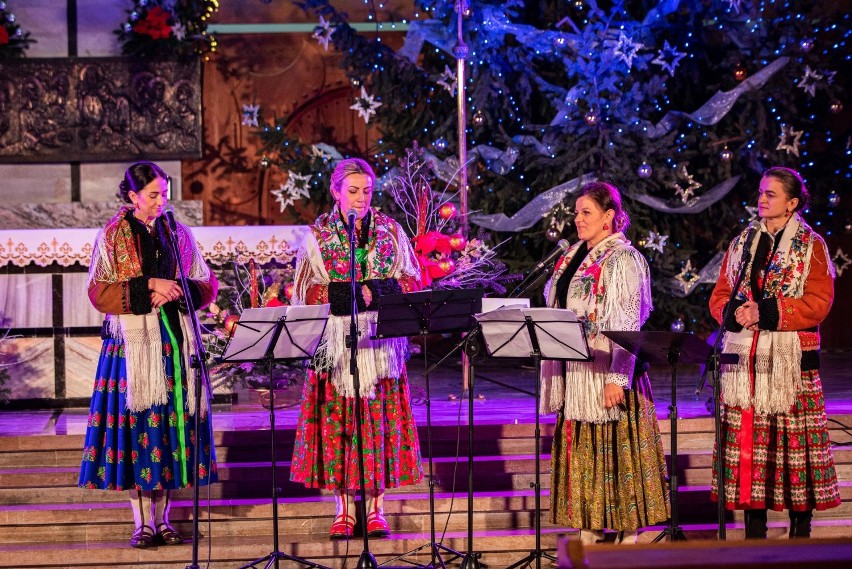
pixel 529 283
pixel 715 367
pixel 198 363
pixel 468 344
pixel 542 268
pixel 538 553
pixel 366 560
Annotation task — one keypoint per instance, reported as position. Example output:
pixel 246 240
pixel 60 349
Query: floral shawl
pixel 611 290
pixel 778 354
pixel 323 258
pixel 115 259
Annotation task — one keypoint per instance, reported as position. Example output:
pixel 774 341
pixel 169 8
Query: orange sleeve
pixel 721 293
pixel 812 307
pixel 110 298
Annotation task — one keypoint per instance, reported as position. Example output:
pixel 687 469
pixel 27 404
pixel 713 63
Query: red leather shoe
pixel 342 527
pixel 377 525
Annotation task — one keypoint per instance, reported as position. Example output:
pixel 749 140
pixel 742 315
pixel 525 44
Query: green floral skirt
pixel 611 475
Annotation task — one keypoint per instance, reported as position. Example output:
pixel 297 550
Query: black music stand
pixel 420 314
pixel 470 559
pixel 539 333
pixel 672 348
pixel 277 334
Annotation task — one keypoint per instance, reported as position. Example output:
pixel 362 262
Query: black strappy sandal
pixel 168 535
pixel 143 537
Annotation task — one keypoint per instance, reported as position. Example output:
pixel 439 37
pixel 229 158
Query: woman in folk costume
pixel 775 444
pixel 325 453
pixel 141 434
pixel 608 468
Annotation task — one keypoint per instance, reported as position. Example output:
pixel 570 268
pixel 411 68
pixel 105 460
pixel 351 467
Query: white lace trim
pixel 577 387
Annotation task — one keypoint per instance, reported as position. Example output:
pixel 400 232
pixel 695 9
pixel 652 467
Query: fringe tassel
pixel 552 386
pixel 736 385
pixel 143 352
pixel 377 359
pixel 585 381
pixel 784 376
pixel 188 350
pixel 778 376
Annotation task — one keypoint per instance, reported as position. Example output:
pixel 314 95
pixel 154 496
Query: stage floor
pixel 503 395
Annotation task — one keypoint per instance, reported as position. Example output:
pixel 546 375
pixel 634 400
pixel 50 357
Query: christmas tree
pixel 682 104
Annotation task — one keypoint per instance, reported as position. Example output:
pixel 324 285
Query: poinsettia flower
pixel 425 277
pixel 154 24
pixel 425 244
pixel 431 242
pixel 436 271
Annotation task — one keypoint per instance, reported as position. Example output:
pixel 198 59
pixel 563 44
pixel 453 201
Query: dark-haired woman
pixel 775 444
pixel 140 436
pixel 608 467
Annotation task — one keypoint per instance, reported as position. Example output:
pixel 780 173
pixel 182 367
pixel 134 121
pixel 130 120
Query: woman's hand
pixel 748 315
pixel 613 395
pixel 164 287
pixel 368 296
pixel 157 300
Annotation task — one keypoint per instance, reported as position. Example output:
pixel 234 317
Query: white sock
pixel 162 505
pixel 141 506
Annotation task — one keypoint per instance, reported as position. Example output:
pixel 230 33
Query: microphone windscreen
pixel 168 213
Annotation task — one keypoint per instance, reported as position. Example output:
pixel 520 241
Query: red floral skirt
pixel 791 462
pixel 326 451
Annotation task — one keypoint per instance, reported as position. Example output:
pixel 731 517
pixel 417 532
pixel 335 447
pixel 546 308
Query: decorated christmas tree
pixel 682 104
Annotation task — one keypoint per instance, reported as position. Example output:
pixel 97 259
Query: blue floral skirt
pixel 142 450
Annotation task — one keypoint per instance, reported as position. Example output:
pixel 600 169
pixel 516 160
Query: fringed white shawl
pixel 145 364
pixel 778 354
pixel 611 290
pixel 377 359
pixel 140 334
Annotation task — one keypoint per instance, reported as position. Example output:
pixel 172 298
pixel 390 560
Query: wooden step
pixel 302 516
pixel 42 510
pixel 497 548
pixel 693 434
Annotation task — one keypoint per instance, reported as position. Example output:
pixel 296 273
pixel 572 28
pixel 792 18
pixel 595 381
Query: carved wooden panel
pixel 99 110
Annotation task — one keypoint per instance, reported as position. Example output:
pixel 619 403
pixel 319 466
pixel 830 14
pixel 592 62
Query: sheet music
pixel 560 335
pixel 302 333
pixel 557 339
pixel 304 336
pixel 491 304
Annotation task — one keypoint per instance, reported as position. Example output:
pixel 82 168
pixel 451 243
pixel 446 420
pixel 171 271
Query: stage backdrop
pixel 53 333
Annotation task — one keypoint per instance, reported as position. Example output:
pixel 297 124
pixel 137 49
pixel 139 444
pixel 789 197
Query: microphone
pixel 753 230
pixel 535 274
pixel 168 213
pixel 560 248
pixel 351 215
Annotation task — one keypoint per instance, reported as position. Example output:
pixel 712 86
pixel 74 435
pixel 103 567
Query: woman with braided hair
pixel 140 436
pixel 775 445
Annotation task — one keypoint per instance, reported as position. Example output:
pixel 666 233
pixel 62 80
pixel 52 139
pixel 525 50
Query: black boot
pixel 755 524
pixel 800 523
